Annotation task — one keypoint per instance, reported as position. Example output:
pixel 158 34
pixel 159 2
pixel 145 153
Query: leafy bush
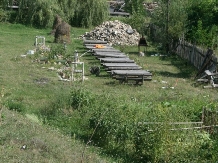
pixel 42 13
pixel 81 98
pixel 57 50
pixel 120 133
pixel 202 22
pixel 119 126
pixel 3 15
pixel 90 13
pixel 15 105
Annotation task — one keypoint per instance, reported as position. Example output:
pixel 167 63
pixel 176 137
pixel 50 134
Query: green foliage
pixel 169 20
pixel 134 7
pixel 38 13
pixel 202 22
pixel 137 21
pixel 16 105
pixel 81 98
pixel 57 50
pixel 55 107
pixel 90 13
pixel 3 15
pixel 120 133
pixel 138 18
pixel 41 13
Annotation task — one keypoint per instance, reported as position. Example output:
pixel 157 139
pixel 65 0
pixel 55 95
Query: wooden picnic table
pixel 132 72
pixel 111 55
pixel 119 14
pixel 119 64
pixel 139 76
pixel 94 42
pixel 93 47
pixel 106 50
pixel 123 68
pixel 102 52
pixel 116 60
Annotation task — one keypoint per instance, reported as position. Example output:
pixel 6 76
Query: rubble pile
pixel 115 33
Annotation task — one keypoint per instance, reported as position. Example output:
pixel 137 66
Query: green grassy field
pixel 22 88
pixel 28 87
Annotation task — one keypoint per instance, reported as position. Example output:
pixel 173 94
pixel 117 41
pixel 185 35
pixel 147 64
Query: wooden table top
pixel 94 42
pixel 103 52
pixel 106 50
pixel 115 60
pixel 111 55
pixel 131 72
pixel 124 68
pixel 93 47
pixel 120 64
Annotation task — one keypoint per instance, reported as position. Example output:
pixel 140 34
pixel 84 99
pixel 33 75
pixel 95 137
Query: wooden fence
pixel 207 122
pixel 194 54
pixel 190 52
pixel 210 120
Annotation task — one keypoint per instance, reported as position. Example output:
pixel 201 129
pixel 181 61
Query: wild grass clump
pixel 15 105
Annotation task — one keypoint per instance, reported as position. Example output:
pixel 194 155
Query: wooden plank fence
pixel 194 54
pixel 208 123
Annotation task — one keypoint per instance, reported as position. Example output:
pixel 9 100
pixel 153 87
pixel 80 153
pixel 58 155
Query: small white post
pixel 83 72
pixel 36 43
pixel 74 70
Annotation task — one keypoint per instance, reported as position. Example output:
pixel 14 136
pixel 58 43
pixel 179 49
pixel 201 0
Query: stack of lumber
pixel 117 63
pixel 211 78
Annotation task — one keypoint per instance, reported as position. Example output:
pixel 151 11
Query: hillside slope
pixel 23 140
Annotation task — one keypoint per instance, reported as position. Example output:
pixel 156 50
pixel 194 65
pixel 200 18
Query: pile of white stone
pixel 115 33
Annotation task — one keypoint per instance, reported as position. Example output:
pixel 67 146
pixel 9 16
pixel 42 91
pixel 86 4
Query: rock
pixel 114 32
pixel 129 31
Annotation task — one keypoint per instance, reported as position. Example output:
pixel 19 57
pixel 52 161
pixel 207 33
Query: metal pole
pixel 43 41
pixel 167 28
pixel 83 71
pixel 36 42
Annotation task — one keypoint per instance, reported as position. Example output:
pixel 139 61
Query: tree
pixel 90 13
pixel 169 19
pixel 138 14
pixel 41 13
pixel 202 22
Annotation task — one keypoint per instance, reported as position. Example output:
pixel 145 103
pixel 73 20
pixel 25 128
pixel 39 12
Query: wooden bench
pixel 139 79
pixel 93 47
pixel 109 69
pixel 124 76
pixel 94 42
pixel 119 64
pixel 119 14
pixel 116 60
pixel 106 50
pixel 110 55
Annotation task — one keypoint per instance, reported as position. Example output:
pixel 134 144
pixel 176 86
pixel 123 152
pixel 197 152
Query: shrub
pixel 15 105
pixel 3 15
pixel 90 13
